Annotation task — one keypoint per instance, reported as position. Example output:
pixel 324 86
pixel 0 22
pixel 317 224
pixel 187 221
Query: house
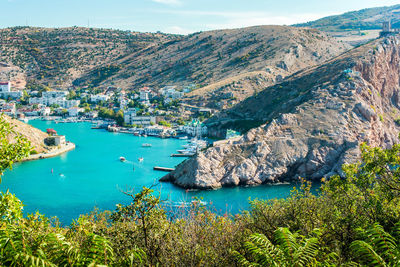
pixel 51 131
pixel 55 140
pixel 74 111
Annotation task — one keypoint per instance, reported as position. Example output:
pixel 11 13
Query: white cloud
pixel 169 2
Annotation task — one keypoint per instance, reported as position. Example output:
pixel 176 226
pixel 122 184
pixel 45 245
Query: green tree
pixel 11 151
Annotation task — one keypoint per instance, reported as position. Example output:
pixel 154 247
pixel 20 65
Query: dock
pixel 183 155
pixel 164 169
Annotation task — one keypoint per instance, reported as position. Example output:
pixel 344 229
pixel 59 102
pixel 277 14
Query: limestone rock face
pixel 313 123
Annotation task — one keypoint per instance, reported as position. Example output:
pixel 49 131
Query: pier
pixel 183 155
pixel 164 169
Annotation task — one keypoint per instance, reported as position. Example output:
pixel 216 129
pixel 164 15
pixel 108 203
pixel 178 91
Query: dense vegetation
pixel 352 221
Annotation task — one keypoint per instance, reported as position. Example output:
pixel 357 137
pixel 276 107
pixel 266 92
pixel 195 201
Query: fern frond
pixel 306 253
pixel 366 254
pixel 287 241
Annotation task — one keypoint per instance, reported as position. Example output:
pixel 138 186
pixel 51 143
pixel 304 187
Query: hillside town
pixel 145 111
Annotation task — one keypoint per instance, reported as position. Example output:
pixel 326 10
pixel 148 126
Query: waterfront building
pixel 194 128
pixel 54 139
pixel 128 114
pixel 74 111
pixel 141 120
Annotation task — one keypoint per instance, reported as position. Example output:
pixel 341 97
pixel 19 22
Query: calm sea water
pixel 92 175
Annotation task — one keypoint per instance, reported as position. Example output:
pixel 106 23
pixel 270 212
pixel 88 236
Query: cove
pixel 92 176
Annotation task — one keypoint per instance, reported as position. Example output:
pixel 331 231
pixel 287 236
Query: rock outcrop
pixel 310 125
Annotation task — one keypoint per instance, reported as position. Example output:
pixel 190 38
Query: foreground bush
pixel 351 221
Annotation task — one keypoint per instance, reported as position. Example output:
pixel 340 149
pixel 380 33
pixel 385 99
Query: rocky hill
pixel 209 57
pixel 56 57
pixel 35 136
pixel 365 19
pixel 309 125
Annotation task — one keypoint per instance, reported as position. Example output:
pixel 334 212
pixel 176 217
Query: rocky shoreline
pixel 53 153
pixel 316 124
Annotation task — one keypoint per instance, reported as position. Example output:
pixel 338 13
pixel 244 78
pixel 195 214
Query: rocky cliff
pixel 309 125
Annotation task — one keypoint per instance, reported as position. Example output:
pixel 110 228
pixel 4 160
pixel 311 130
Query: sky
pixel 173 16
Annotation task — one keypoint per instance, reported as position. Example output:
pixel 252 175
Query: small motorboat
pixel 140 159
pixel 122 159
pixel 146 145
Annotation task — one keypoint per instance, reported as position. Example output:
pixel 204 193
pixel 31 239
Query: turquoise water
pixel 92 175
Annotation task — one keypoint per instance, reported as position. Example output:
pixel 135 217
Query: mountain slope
pixel 315 122
pixel 57 56
pixel 365 19
pixel 208 57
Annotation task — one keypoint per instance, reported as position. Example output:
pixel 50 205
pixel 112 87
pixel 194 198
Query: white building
pixel 45 111
pixel 170 93
pixel 128 114
pixel 74 111
pixel 59 140
pixel 145 94
pixel 5 91
pixel 5 87
pixel 194 128
pixel 48 101
pixel 99 97
pixel 143 120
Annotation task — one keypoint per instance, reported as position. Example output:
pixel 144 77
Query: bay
pixel 92 175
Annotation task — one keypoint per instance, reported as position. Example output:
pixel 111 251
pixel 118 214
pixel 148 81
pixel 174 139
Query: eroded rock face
pixel 315 136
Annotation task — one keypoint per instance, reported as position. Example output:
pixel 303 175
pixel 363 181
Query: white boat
pixel 146 145
pixel 140 159
pixel 183 138
pixel 122 159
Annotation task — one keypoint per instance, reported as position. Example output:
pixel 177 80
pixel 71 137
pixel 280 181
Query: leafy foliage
pixel 352 220
pixel 290 250
pixel 11 151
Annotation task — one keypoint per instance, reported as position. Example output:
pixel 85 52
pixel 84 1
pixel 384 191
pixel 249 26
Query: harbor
pixel 63 183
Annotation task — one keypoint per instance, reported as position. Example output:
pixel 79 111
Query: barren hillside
pixel 57 56
pixel 307 126
pixel 208 57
